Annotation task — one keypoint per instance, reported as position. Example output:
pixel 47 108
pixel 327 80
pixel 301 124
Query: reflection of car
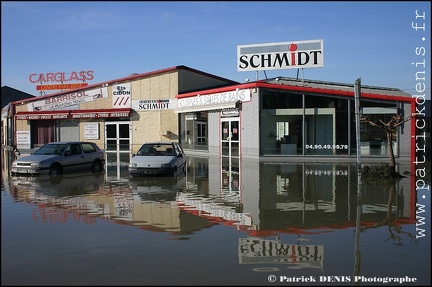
pixel 156 188
pixel 60 157
pixel 158 158
pixel 74 184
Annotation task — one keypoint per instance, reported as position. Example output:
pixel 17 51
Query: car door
pixel 73 159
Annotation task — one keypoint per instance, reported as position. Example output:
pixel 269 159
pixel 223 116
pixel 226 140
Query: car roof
pixel 163 142
pixel 69 142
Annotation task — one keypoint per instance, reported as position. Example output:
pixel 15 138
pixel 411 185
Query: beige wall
pixel 150 125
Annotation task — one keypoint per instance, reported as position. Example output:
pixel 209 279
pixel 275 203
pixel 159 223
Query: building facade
pixel 291 118
pixel 273 118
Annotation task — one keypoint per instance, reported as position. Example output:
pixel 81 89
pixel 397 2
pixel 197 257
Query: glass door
pixel 230 137
pixel 117 148
pixel 230 160
pixel 201 133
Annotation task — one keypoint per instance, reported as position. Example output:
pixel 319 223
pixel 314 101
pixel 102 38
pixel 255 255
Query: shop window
pixel 194 131
pixel 373 140
pixel 280 100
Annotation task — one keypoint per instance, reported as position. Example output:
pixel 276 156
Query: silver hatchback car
pixel 61 157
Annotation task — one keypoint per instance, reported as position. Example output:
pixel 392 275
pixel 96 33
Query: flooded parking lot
pixel 256 223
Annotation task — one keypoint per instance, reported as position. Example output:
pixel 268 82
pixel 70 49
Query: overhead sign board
pixel 213 101
pixel 280 56
pixel 68 100
pixel 61 86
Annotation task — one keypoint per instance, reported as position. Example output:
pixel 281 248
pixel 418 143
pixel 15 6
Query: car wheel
pixel 97 166
pixel 55 170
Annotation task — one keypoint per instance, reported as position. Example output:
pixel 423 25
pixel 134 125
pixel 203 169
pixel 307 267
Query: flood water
pixel 260 223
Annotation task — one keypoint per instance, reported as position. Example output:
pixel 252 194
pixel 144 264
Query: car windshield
pixel 51 149
pixel 156 150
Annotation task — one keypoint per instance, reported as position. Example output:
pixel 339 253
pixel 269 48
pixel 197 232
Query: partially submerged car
pixel 158 158
pixel 60 157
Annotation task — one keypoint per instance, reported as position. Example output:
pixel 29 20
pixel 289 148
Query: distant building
pixel 9 94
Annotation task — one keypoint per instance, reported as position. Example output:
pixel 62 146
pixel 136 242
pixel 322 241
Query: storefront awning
pixel 74 114
pixel 217 101
pixel 206 108
pixel 102 113
pixel 45 115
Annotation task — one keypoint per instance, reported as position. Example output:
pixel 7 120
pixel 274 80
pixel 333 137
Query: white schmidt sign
pixel 154 105
pixel 280 56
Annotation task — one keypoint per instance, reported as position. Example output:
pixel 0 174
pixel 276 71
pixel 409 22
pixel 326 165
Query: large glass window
pixel 373 140
pixel 281 123
pixel 324 125
pixel 194 131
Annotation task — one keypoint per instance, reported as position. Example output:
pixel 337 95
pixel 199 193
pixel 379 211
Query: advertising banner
pixel 280 56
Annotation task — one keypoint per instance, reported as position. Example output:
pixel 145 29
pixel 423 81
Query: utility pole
pixel 357 94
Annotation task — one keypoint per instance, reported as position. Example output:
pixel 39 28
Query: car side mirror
pixel 67 153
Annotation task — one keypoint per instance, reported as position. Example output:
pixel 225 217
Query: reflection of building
pixel 212 207
pixel 269 198
pixel 254 250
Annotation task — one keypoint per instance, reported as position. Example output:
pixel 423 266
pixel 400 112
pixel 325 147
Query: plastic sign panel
pixel 66 101
pixel 61 86
pixel 280 56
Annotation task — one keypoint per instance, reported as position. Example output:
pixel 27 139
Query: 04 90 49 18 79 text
pixel 326 146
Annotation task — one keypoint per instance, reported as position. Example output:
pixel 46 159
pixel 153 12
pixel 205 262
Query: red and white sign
pixel 280 56
pixel 66 101
pixel 61 86
pixel 121 95
pixel 90 114
pixel 74 114
pixel 61 77
pixel 53 115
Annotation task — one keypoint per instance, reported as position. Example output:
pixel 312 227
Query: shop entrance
pixel 230 159
pixel 117 148
pixel 230 137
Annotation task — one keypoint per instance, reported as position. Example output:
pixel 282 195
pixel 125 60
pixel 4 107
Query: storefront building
pixel 286 117
pixel 119 115
pixel 266 119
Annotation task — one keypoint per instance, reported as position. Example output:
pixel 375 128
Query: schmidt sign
pixel 274 56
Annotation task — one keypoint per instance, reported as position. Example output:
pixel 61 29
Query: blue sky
pixel 371 40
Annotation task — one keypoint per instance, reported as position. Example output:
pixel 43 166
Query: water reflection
pixel 268 204
pixel 263 198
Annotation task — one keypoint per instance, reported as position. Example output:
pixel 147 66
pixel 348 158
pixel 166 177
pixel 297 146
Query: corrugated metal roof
pixel 335 86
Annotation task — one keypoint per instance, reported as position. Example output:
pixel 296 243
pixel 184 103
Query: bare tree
pixel 390 128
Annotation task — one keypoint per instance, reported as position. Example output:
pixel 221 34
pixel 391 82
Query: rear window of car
pixel 156 150
pixel 88 148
